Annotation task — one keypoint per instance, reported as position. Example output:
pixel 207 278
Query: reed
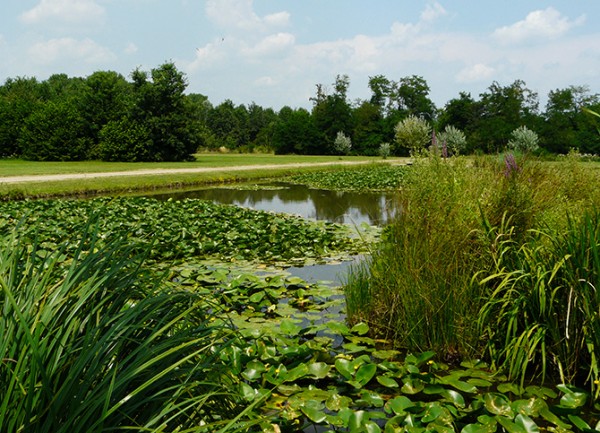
pixel 94 343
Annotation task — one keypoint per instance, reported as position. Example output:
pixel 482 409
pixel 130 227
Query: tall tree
pixel 332 113
pixel 501 111
pixel 159 109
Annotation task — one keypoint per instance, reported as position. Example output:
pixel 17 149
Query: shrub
pixel 342 144
pixel 384 150
pixel 455 140
pixel 523 140
pixel 413 133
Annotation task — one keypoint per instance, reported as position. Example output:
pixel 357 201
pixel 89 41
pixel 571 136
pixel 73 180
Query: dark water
pixel 335 206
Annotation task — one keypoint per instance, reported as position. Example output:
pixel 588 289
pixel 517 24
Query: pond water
pixel 334 206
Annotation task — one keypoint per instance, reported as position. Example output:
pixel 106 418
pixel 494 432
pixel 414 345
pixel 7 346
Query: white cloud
pixel 279 19
pixel 272 44
pixel 131 48
pixel 234 15
pixel 69 49
pixel 539 24
pixel 64 11
pixel 433 12
pixel 475 73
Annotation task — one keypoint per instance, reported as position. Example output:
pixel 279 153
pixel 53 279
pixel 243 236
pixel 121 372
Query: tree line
pixel 150 117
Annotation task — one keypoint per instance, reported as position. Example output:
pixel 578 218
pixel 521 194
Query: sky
pixel 275 52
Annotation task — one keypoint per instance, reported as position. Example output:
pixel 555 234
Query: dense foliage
pixel 95 340
pixel 174 230
pixel 150 118
pixel 496 260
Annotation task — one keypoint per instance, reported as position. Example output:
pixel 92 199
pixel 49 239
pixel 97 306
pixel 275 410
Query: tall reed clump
pixel 464 266
pixel 91 343
pixel 542 318
pixel 415 290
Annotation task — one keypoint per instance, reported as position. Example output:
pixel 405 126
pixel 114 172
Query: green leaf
pixel 573 399
pixel 398 405
pixel 388 382
pixel 579 423
pixel 247 392
pixel 412 385
pixel 288 327
pixel 337 402
pixel 498 404
pixel 510 426
pixel 318 370
pixel 254 370
pixel 479 428
pixel 360 329
pixel 527 423
pixel 365 373
pixel 345 367
pixel 315 415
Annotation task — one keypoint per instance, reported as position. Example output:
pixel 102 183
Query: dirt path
pixel 161 171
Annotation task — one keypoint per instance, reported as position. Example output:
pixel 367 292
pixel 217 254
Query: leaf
pixel 247 392
pixel 315 415
pixel 360 328
pixel 388 382
pixel 254 370
pixel 479 428
pixel 318 370
pixel 527 423
pixel 398 405
pixel 459 384
pixel 510 426
pixel 573 399
pixel 344 367
pixel 579 423
pixel 498 404
pixel 337 402
pixel 288 327
pixel 412 385
pixel 365 373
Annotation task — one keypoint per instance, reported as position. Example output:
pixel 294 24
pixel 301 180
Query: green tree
pixel 502 110
pixel 412 97
pixel 332 113
pixel 159 105
pixel 105 96
pixel 295 132
pixel 19 98
pixel 564 119
pixel 55 132
pixel 368 129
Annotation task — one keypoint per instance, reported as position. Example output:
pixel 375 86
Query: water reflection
pixel 335 206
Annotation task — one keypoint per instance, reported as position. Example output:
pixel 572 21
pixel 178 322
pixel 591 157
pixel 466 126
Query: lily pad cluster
pixel 301 368
pixel 177 230
pixel 377 177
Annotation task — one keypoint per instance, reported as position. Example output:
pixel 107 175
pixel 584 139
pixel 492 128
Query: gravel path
pixel 160 171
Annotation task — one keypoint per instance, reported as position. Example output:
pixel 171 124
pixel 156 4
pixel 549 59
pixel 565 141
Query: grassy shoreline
pixel 125 184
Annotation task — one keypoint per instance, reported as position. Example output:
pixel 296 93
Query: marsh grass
pixel 93 343
pixel 487 241
pixel 542 317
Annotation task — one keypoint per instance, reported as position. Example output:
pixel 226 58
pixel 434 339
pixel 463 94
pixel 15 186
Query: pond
pixel 348 207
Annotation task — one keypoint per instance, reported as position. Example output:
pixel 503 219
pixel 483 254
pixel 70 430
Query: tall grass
pixel 92 343
pixel 542 317
pixel 467 248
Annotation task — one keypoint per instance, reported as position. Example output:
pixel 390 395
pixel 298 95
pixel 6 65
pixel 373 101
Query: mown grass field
pixel 117 184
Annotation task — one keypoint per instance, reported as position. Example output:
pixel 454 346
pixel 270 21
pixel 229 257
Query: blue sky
pixel 274 52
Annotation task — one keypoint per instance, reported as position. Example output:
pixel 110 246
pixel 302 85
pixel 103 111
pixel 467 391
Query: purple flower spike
pixel 444 149
pixel 510 165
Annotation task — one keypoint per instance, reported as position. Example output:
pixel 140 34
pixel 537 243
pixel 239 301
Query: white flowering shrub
pixel 342 144
pixel 384 150
pixel 455 139
pixel 413 133
pixel 523 140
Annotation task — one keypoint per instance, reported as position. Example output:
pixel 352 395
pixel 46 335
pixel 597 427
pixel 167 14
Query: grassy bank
pixel 150 182
pixel 493 257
